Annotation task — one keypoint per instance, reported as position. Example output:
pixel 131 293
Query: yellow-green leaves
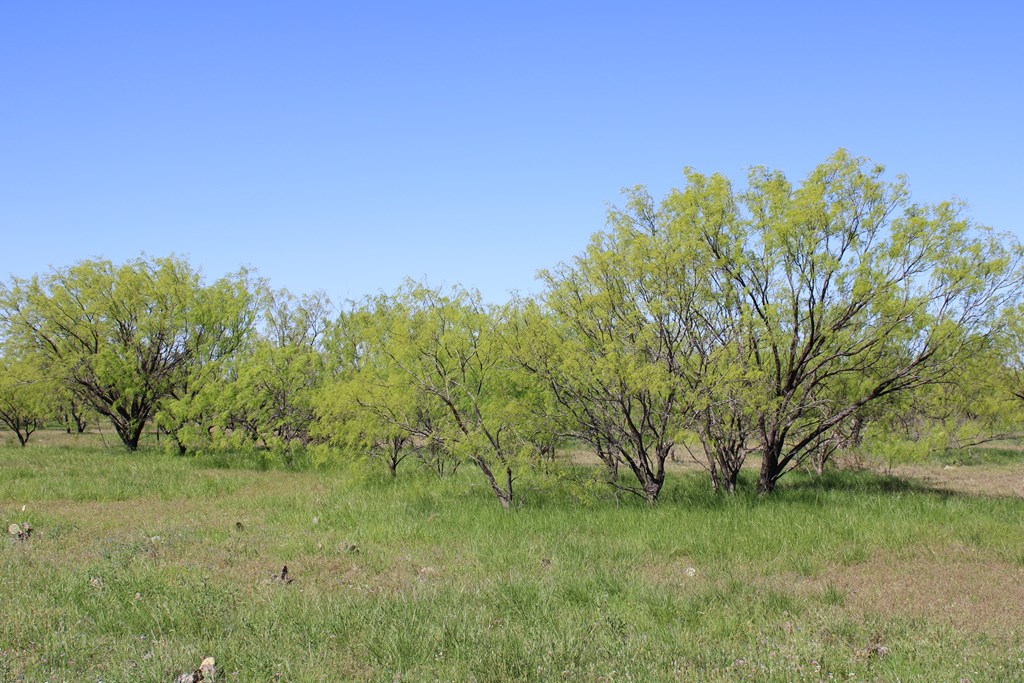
pixel 26 395
pixel 122 338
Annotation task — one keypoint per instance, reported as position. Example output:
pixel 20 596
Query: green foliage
pixel 432 375
pixel 368 405
pixel 225 313
pixel 845 292
pixel 613 344
pixel 270 399
pixel 262 395
pixel 788 319
pixel 26 396
pixel 121 338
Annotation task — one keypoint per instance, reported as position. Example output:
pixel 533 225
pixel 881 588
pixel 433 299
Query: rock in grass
pixel 282 576
pixel 876 648
pixel 20 532
pixel 206 672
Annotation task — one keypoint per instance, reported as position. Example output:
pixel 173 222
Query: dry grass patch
pixel 955 587
pixel 680 573
pixel 683 459
pixel 979 480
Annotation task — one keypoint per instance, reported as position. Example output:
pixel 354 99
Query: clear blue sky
pixel 342 146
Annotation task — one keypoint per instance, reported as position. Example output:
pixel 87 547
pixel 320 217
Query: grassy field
pixel 142 565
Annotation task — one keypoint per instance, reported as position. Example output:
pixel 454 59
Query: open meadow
pixel 511 342
pixel 139 565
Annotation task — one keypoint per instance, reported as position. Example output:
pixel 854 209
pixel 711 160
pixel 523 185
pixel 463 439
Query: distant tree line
pixel 786 322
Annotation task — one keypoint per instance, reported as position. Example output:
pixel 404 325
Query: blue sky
pixel 343 146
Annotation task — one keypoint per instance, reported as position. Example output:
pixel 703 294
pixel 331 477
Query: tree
pixel 975 403
pixel 849 293
pixel 446 351
pixel 611 337
pixel 372 413
pixel 122 338
pixel 69 410
pixel 271 393
pixel 24 396
pixel 368 404
pixel 223 324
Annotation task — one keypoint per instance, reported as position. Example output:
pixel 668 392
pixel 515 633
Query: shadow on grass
pixel 981 455
pixel 862 482
pixel 799 488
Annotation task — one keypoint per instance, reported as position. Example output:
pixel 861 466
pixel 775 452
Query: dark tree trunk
pixel 23 429
pixel 651 490
pixel 504 494
pixel 130 433
pixel 730 479
pixel 610 460
pixel 770 469
pixel 724 467
pixel 182 450
pixel 395 456
pixel 651 479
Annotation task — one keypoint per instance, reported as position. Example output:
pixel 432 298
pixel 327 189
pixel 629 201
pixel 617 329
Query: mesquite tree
pixel 271 394
pixel 25 396
pixel 122 338
pixel 368 405
pixel 849 293
pixel 610 337
pixel 447 350
pixel 223 324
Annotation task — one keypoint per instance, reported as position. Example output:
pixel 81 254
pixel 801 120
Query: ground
pixel 139 566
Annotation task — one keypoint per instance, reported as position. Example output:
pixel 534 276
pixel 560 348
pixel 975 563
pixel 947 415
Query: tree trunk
pixel 508 487
pixel 650 482
pixel 729 480
pixel 504 495
pixel 395 456
pixel 130 433
pixel 651 479
pixel 651 490
pixel 611 468
pixel 713 471
pixel 769 466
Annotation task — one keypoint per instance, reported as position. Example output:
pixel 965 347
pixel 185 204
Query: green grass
pixel 982 455
pixel 138 570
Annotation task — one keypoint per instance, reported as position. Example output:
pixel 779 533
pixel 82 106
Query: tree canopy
pixel 121 338
pixel 782 319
